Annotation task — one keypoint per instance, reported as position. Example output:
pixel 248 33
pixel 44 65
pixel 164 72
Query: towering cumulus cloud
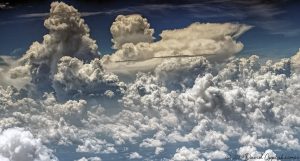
pixel 188 107
pixel 62 60
pixel 68 36
pixel 130 29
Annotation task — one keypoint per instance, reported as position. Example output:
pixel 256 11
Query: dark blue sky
pixel 276 32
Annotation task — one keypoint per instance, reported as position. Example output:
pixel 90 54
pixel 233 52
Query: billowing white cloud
pixel 8 75
pixel 135 155
pixel 183 109
pixel 130 29
pixel 243 90
pixel 205 38
pixel 96 146
pixel 187 154
pixel 89 159
pixel 234 104
pixel 52 63
pixel 216 41
pixel 181 71
pixel 250 153
pixel 17 144
pixel 296 61
pixel 76 79
pixel 68 36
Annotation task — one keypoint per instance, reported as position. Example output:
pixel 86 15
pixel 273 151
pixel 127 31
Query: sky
pixel 176 80
pixel 275 34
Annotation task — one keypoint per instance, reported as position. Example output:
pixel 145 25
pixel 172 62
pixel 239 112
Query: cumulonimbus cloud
pixel 215 41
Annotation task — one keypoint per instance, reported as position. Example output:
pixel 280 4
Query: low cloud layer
pixel 200 122
pixel 76 107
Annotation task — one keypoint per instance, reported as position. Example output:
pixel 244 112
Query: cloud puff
pixel 181 71
pixel 76 79
pixel 90 159
pixel 250 153
pixel 17 144
pixel 187 154
pixel 135 155
pixel 9 75
pixel 130 29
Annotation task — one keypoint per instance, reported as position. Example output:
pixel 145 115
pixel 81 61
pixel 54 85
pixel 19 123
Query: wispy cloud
pixel 83 14
pixel 259 13
pixel 5 6
pixel 288 32
pixel 16 21
pixel 33 15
